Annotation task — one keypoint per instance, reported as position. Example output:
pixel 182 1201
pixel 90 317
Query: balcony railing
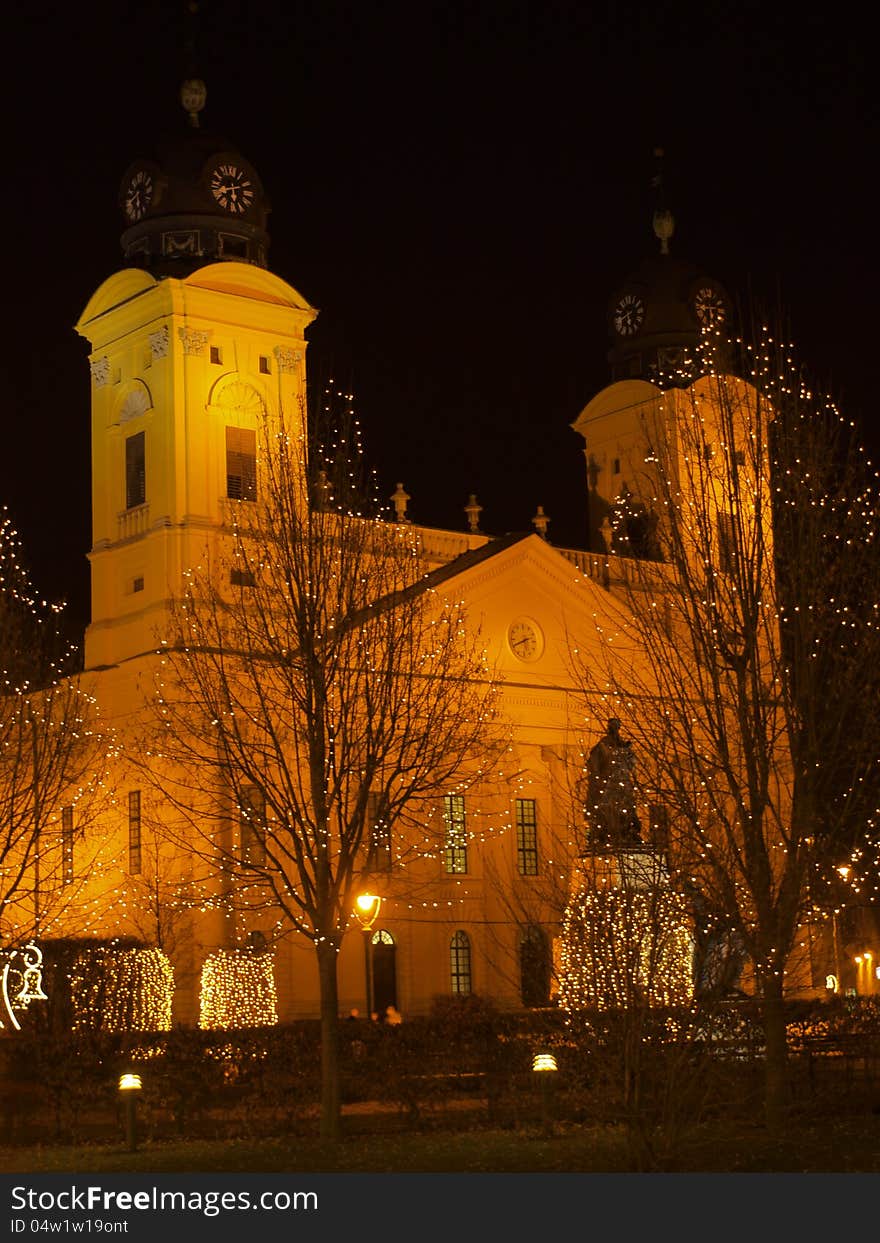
pixel 133 522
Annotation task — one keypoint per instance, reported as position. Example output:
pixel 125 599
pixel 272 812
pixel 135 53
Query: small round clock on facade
pixel 629 312
pixel 232 187
pixel 710 307
pixel 525 639
pixel 138 194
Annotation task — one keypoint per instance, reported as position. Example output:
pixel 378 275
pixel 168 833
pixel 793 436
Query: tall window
pixel 134 830
pixel 384 970
pixel 380 836
pixel 252 823
pixel 455 856
pixel 241 464
pixel 527 836
pixel 726 543
pixel 460 963
pixel 67 845
pixel 135 471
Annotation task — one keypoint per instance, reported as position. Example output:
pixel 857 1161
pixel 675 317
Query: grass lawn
pixel 847 1145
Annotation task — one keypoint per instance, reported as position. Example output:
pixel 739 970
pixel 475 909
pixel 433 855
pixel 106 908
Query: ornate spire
pixel 192 91
pixel 664 221
pixel 193 95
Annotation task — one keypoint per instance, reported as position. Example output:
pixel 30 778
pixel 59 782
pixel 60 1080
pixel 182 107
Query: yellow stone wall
pixel 179 360
pixel 153 370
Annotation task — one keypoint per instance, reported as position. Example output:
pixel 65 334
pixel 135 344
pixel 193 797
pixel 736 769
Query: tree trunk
pixel 775 1054
pixel 327 960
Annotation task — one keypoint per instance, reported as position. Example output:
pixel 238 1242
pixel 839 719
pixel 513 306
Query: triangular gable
pixel 522 578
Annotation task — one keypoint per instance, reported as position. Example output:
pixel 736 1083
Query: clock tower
pixel 197 352
pixel 666 322
pixel 193 200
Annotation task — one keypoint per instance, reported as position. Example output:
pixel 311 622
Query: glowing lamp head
pixel 367 908
pixel 844 871
pixel 129 1082
pixel 543 1062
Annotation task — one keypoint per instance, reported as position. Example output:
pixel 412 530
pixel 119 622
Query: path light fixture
pixel 544 1066
pixel 129 1087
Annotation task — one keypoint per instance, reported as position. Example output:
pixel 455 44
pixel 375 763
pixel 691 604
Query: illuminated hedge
pixel 238 990
pixel 117 990
pixel 625 947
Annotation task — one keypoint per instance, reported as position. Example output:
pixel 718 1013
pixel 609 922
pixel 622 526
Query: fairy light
pixel 621 947
pixel 118 990
pixel 237 990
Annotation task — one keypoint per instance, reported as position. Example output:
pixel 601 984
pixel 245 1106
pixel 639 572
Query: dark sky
pixel 459 189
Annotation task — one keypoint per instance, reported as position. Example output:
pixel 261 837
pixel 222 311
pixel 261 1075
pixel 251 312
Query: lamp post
pixel 367 909
pixel 843 872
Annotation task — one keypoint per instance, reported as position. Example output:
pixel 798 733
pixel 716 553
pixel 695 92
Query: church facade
pixel 193 344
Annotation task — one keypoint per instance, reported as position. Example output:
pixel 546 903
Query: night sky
pixel 459 189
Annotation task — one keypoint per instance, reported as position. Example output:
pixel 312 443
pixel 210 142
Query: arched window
pixel 384 970
pixel 460 962
pixel 534 967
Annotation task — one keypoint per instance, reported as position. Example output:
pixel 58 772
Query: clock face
pixel 232 188
pixel 628 314
pixel 524 638
pixel 138 194
pixel 710 307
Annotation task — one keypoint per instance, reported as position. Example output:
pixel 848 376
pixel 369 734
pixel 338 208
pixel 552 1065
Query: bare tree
pixel 326 693
pixel 160 898
pixel 51 758
pixel 744 657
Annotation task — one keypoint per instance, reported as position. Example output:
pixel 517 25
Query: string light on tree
pixel 116 990
pixel 238 990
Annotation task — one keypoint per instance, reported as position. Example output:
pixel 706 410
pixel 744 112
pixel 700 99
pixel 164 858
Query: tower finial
pixel 193 94
pixel 473 510
pixel 664 221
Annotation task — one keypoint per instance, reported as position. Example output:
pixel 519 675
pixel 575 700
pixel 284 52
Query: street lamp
pixel 367 909
pixel 843 871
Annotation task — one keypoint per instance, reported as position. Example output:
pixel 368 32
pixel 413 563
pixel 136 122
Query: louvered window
pixel 135 471
pixel 241 464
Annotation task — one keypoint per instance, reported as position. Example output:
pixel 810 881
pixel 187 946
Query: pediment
pixel 529 584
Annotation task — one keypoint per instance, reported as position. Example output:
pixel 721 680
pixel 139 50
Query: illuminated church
pixel 192 343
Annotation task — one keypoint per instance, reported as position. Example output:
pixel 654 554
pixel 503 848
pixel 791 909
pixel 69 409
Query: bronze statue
pixel 611 797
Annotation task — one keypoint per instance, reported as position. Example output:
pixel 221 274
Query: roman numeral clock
pixel 193 200
pixel 232 188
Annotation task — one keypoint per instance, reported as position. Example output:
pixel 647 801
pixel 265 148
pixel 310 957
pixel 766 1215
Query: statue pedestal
pixel 622 867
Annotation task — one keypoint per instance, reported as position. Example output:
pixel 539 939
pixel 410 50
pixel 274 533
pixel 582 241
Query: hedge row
pixel 465 1060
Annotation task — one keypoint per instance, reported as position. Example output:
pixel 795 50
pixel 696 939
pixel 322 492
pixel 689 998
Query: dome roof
pixel 657 316
pixel 194 200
